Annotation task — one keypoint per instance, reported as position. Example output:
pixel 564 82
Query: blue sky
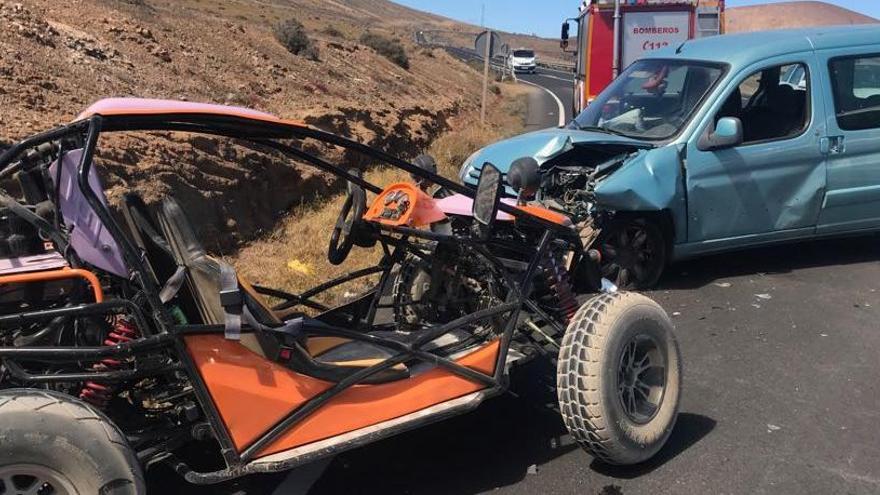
pixel 544 17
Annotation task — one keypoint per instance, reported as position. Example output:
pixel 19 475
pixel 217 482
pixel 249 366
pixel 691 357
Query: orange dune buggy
pixel 123 343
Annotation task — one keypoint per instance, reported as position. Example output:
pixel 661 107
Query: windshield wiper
pixel 603 130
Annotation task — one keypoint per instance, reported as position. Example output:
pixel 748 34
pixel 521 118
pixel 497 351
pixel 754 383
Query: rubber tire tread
pixel 64 433
pixel 583 373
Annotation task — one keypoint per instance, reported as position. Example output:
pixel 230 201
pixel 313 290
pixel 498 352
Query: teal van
pixel 717 144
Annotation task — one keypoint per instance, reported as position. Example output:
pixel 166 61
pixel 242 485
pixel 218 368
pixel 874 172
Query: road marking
pixel 543 74
pixel 562 72
pixel 558 101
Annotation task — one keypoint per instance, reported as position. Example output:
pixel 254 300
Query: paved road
pixel 554 97
pixel 552 100
pixel 781 395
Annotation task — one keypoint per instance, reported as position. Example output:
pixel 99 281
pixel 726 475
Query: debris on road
pixel 723 285
pixel 764 296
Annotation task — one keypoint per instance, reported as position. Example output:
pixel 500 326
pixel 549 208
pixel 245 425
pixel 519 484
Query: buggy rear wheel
pixel 51 443
pixel 618 378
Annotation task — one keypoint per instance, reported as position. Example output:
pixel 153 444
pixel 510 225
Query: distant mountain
pixel 791 15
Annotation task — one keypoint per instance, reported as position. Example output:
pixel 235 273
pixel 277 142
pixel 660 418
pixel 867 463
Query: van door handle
pixel 832 145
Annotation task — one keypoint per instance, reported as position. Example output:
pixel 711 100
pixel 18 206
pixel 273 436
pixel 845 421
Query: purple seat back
pixel 89 237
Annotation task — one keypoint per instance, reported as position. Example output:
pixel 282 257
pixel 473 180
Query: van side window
pixel 856 85
pixel 771 103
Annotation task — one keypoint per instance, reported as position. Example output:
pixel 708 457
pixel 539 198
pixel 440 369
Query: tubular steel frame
pixel 169 336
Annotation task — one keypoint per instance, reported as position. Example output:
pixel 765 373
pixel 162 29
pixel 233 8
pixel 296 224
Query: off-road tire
pixel 45 428
pixel 587 378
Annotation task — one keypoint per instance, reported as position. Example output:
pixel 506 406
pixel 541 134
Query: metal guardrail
pixel 557 66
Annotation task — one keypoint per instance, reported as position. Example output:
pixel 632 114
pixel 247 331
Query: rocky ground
pixel 58 57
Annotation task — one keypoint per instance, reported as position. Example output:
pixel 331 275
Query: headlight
pixel 467 166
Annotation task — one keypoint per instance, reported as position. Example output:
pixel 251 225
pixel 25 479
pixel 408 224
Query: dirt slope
pixel 58 57
pixel 791 15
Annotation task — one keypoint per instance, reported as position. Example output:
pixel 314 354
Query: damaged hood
pixel 541 145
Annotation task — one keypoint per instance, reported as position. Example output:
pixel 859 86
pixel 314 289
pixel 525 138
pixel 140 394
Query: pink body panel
pixel 461 205
pixel 148 106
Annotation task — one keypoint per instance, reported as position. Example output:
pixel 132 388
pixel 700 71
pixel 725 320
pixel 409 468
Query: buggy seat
pixel 177 248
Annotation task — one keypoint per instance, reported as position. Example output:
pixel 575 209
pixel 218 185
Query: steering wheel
pixel 344 234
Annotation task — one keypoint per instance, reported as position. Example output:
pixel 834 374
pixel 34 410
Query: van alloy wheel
pixel 633 253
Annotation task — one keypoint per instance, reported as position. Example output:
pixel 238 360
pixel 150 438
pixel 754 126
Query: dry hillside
pixel 58 57
pixel 791 15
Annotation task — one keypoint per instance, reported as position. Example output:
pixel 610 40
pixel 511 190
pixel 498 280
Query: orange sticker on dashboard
pixel 404 204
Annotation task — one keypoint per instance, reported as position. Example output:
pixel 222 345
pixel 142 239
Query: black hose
pixel 34 338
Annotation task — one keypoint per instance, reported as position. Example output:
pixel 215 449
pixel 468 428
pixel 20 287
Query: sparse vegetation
pixel 333 31
pixel 292 34
pixel 392 49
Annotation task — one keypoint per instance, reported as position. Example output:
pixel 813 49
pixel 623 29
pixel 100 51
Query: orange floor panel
pixel 252 394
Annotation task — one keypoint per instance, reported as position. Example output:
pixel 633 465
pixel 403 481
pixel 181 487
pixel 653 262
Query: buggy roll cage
pixel 169 336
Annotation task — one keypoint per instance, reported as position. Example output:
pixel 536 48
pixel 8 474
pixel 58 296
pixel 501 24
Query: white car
pixel 523 60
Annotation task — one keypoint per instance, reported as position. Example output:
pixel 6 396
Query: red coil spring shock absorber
pixel 99 394
pixel 559 281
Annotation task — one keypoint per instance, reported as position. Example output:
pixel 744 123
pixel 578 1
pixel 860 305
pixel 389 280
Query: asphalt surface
pixel 781 352
pixel 554 97
pixel 780 395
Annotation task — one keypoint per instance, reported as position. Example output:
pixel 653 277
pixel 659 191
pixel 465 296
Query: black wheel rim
pixel 641 378
pixel 631 255
pixel 33 479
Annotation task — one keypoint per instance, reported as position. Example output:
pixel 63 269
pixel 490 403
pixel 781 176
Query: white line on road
pixel 543 74
pixel 568 73
pixel 558 101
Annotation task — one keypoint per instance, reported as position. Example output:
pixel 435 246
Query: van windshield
pixel 651 99
pixel 523 54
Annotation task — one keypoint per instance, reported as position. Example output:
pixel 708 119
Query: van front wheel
pixel 633 253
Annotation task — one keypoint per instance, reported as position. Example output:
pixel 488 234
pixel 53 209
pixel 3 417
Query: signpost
pixel 487 43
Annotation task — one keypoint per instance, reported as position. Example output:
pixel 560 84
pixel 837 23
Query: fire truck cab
pixel 611 34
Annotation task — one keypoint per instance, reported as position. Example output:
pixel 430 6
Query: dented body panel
pixel 649 181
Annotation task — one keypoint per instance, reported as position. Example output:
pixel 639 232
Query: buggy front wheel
pixel 619 378
pixel 53 443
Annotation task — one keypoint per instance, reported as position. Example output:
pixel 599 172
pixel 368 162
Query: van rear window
pixel 856 84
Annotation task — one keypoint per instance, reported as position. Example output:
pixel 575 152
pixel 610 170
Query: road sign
pixel 494 44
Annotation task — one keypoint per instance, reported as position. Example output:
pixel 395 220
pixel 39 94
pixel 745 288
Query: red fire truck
pixel 611 34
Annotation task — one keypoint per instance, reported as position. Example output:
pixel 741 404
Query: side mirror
pixel 524 178
pixel 728 133
pixel 427 163
pixel 489 190
pixel 564 36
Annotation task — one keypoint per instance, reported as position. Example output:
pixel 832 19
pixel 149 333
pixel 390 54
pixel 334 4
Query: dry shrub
pixel 392 49
pixel 292 35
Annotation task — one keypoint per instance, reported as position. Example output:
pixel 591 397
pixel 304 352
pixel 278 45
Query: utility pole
pixel 615 62
pixel 486 54
pixel 485 63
